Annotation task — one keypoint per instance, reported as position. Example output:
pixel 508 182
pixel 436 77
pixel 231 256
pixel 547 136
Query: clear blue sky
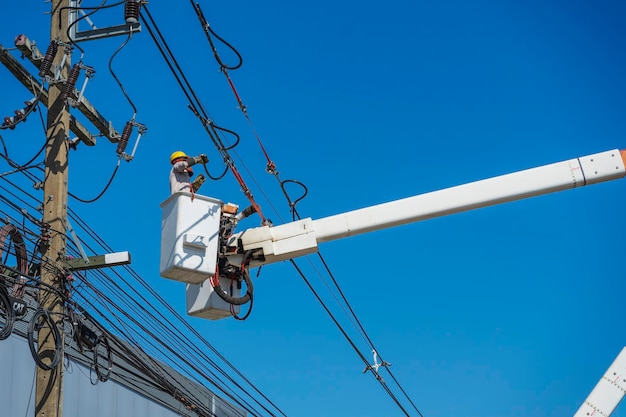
pixel 513 310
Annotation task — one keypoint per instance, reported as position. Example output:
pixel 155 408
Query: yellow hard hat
pixel 176 155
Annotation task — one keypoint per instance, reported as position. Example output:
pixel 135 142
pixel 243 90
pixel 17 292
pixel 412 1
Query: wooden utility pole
pixel 49 389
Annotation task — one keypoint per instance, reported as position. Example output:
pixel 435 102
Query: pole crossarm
pixel 90 35
pixel 34 86
pixel 33 54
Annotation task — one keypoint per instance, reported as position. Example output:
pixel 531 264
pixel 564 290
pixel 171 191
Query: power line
pixel 346 336
pixel 271 168
pixel 211 128
pixel 156 317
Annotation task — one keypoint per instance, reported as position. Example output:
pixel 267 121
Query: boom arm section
pixel 608 392
pixel 287 241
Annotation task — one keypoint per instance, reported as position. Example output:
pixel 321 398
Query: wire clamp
pixel 374 367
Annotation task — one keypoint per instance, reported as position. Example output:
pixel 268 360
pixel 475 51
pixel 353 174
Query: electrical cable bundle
pixel 114 302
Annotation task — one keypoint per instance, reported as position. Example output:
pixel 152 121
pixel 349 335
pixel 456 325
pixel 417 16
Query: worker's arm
pixel 200 159
pixel 181 166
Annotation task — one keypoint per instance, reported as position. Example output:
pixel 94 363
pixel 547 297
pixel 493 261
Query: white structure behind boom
pixel 608 392
pixel 190 246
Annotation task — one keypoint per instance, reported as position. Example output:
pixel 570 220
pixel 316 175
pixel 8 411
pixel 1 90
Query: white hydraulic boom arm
pixel 278 243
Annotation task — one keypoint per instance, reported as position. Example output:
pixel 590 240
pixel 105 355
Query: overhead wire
pixel 271 168
pixel 347 337
pixel 22 168
pixel 132 314
pixel 357 324
pixel 198 109
pixel 17 208
pixel 35 237
pixel 364 333
pixel 162 342
pixel 105 315
pixel 103 191
pixel 136 294
pixel 195 105
pixel 116 78
pixel 148 365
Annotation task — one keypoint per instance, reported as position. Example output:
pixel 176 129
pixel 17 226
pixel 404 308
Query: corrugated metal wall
pixel 80 398
pixel 17 378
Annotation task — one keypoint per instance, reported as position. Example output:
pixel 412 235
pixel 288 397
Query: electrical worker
pixel 181 173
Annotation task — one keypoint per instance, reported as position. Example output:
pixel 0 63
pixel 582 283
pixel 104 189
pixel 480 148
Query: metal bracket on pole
pixel 96 33
pixel 76 241
pixel 89 35
pixel 99 261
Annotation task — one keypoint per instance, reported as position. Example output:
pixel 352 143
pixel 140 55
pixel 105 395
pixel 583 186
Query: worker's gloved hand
pixel 197 183
pixel 200 159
